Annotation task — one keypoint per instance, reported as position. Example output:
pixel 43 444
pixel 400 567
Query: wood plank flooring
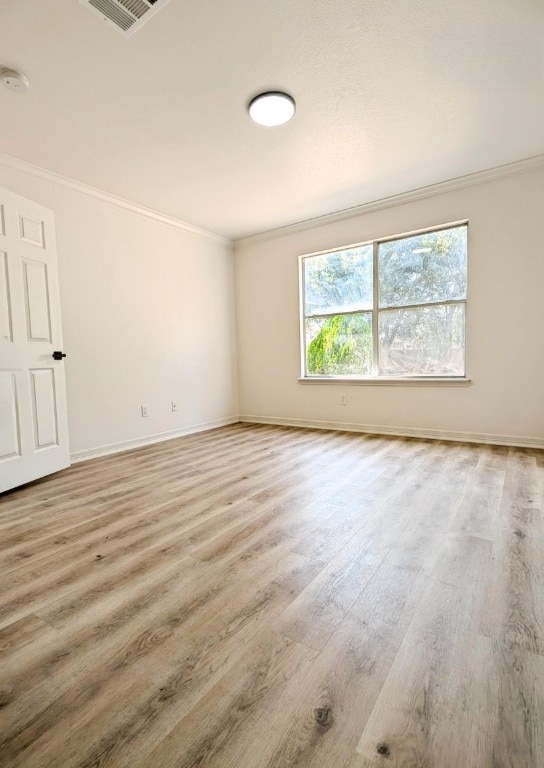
pixel 262 596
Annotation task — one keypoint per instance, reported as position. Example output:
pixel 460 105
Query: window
pixel 393 308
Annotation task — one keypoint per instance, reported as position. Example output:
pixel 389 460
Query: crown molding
pixel 13 163
pixel 501 171
pixel 460 182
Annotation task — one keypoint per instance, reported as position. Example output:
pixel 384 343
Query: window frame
pixel 376 377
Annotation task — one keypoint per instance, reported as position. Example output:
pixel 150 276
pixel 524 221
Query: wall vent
pixel 127 16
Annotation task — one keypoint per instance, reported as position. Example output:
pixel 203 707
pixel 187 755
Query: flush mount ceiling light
pixel 271 108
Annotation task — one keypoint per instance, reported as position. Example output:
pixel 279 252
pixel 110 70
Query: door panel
pixel 6 333
pixel 31 230
pixel 10 444
pixel 33 411
pixel 44 408
pixel 37 300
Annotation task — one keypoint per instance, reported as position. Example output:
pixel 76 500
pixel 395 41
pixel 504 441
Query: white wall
pixel 148 317
pixel 505 323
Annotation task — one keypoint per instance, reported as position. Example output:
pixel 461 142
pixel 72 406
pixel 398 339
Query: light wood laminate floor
pixel 266 596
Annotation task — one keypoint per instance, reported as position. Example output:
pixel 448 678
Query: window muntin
pixel 391 308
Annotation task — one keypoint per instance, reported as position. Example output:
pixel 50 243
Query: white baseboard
pixel 433 434
pixel 516 441
pixel 139 442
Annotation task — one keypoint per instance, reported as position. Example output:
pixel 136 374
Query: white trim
pixel 452 381
pixel 510 169
pixel 139 442
pixel 517 441
pixel 7 161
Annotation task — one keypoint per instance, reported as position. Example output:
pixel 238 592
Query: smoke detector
pixel 127 16
pixel 13 80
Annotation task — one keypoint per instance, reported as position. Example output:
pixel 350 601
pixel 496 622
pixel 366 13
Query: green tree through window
pixel 342 346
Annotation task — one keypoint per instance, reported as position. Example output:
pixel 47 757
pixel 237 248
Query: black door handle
pixel 58 355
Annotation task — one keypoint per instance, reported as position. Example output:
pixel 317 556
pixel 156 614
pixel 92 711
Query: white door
pixel 33 414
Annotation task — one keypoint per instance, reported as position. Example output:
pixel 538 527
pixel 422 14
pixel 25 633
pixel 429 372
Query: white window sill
pixel 390 381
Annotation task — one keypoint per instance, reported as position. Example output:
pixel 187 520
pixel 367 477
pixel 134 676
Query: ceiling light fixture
pixel 13 80
pixel 271 108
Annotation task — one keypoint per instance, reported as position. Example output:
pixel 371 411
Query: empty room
pixel 271 384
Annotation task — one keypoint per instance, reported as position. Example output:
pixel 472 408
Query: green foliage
pixel 342 346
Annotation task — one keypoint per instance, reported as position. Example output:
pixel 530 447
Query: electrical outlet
pixel 342 399
pixel 174 406
pixel 145 411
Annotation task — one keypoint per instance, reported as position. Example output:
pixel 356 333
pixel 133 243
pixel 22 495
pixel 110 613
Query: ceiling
pixel 391 95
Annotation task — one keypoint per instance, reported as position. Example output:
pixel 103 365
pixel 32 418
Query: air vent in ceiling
pixel 127 16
